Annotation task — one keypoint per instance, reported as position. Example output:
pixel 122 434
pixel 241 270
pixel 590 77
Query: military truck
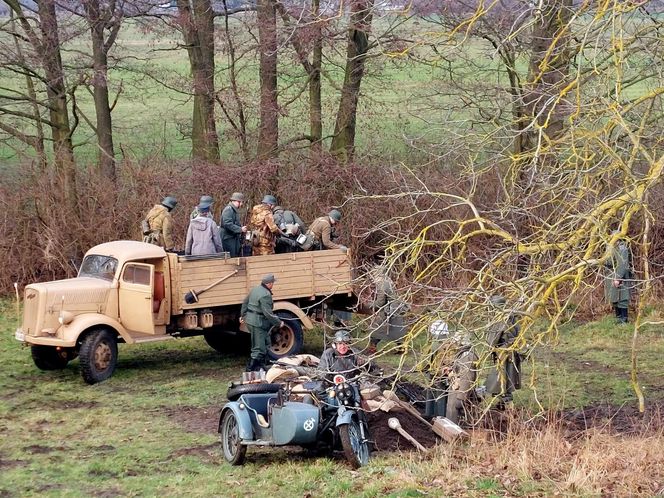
pixel 132 292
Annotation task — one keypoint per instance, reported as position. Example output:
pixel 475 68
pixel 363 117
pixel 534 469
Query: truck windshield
pixel 98 267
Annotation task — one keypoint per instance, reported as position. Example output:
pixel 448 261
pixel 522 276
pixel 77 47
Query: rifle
pixel 247 244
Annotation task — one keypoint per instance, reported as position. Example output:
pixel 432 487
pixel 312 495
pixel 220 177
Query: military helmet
pixel 342 335
pixel 238 196
pixel 206 199
pixel 335 215
pixel 269 199
pixel 169 202
pixel 497 300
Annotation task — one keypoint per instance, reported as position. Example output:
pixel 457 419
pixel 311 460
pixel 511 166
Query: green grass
pixel 150 430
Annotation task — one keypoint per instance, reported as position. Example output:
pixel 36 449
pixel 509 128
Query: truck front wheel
pixel 99 356
pixel 49 358
pixel 289 339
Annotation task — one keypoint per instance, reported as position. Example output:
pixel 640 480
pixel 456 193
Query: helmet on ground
pixel 335 215
pixel 238 196
pixel 497 300
pixel 342 335
pixel 169 202
pixel 269 199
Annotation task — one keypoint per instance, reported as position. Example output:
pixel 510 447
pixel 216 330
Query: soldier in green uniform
pixel 617 286
pixel 505 377
pixel 232 229
pixel 388 317
pixel 257 313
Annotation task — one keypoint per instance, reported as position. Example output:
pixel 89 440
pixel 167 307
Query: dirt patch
pixel 205 452
pixel 193 418
pixel 37 449
pixel 386 439
pixel 10 464
pixel 620 420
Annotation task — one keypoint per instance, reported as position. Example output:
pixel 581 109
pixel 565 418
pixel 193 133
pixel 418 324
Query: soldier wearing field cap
pixel 258 315
pixel 232 229
pixel 322 228
pixel 159 229
pixel 264 230
pixel 204 200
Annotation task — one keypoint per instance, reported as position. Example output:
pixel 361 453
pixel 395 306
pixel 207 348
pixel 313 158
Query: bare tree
pixel 196 21
pixel 268 133
pixel 343 142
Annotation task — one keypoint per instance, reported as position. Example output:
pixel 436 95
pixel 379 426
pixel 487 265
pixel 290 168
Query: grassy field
pixel 151 430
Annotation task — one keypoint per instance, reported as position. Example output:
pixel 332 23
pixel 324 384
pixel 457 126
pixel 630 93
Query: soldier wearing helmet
pixel 232 228
pixel 321 230
pixel 160 224
pixel 264 230
pixel 340 358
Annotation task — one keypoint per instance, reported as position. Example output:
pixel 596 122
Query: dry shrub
pixel 543 459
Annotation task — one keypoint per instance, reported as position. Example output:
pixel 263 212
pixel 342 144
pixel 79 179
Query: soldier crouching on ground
pixel 158 224
pixel 257 313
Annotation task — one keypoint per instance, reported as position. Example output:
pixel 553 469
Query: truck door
pixel 135 301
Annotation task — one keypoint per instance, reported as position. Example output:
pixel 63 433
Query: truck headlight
pixel 66 317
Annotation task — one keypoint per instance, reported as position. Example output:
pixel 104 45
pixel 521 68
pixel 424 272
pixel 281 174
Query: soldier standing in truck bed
pixel 232 229
pixel 160 224
pixel 321 229
pixel 264 230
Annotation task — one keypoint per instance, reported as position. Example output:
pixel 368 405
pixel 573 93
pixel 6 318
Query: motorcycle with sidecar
pixel 318 415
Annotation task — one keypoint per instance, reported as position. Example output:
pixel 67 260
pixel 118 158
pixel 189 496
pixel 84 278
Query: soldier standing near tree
pixel 617 287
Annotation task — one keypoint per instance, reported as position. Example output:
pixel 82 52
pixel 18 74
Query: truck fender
pixel 301 315
pixel 344 417
pixel 245 428
pixel 85 321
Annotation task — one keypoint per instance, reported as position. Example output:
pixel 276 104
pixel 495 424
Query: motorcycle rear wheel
pixel 355 449
pixel 234 451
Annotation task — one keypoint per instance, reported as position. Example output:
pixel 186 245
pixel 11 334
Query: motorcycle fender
pixel 344 416
pixel 243 420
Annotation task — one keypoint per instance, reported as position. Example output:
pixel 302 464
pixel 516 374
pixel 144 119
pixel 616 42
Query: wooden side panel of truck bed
pixel 299 275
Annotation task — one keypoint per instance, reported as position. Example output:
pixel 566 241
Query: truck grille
pixel 31 314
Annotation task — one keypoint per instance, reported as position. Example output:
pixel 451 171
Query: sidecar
pixel 265 420
pixel 325 418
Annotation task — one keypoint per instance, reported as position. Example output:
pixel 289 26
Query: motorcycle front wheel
pixel 356 449
pixel 234 450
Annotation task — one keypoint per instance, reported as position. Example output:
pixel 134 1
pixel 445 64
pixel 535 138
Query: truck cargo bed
pixel 299 275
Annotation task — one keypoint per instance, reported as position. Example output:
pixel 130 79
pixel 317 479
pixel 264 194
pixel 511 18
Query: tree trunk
pixel 104 128
pixel 197 23
pixel 315 101
pixel 268 135
pixel 548 71
pixel 57 97
pixel 343 142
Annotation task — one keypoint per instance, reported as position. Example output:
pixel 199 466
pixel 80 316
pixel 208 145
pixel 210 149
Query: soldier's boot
pixel 253 365
pixel 624 312
pixel 618 313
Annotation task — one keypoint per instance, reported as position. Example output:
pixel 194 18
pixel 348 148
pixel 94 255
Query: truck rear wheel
pixel 289 339
pixel 49 358
pixel 99 356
